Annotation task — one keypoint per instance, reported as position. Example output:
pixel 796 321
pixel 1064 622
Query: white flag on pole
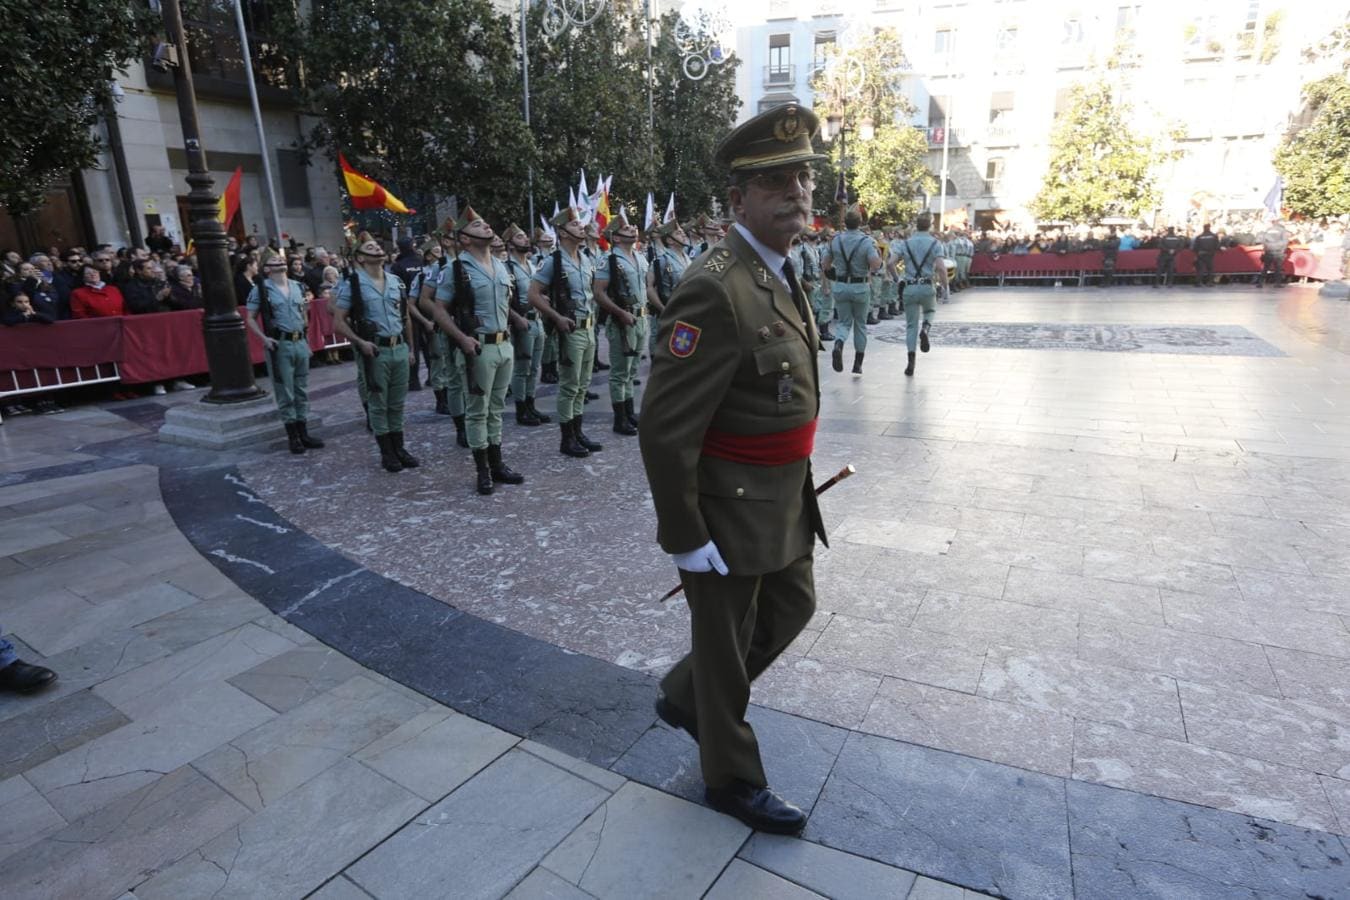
pixel 650 218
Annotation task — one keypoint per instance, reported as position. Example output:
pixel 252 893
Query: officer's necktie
pixel 791 275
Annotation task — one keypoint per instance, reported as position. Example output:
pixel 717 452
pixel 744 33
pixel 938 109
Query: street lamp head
pixel 833 125
pixel 866 130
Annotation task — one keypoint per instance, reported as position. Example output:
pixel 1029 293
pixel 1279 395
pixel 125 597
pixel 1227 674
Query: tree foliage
pixel 422 95
pixel 60 61
pixel 1315 161
pixel 1099 165
pixel 863 86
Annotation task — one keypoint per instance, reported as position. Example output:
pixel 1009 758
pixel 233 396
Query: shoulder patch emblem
pixel 719 261
pixel 684 340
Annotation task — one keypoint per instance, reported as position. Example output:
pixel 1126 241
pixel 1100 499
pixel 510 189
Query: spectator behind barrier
pixel 146 292
pixel 19 310
pixel 185 292
pixel 95 298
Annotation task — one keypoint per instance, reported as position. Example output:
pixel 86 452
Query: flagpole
pixel 525 79
pixel 257 120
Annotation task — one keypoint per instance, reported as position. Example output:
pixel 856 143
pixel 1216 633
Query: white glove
pixel 704 559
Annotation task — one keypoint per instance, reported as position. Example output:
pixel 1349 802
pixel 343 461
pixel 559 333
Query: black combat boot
pixel 388 458
pixel 923 338
pixel 501 472
pixel 857 363
pixel 525 415
pixel 825 333
pixel 895 309
pixel 548 374
pixel 871 317
pixel 601 365
pixel 365 412
pixel 414 382
pixel 837 357
pixel 591 395
pixel 909 370
pixel 621 423
pixel 543 419
pixel 883 313
pixel 312 443
pixel 569 445
pixel 584 441
pixel 407 459
pixel 293 438
pixel 480 461
pixel 461 436
pixel 628 408
pixel 442 401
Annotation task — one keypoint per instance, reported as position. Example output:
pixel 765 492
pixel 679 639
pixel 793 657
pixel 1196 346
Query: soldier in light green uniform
pixel 576 332
pixel 287 317
pixel 822 301
pixel 925 272
pixel 625 299
pixel 457 392
pixel 668 267
pixel 877 310
pixel 480 287
pixel 382 305
pixel 529 344
pixel 851 258
pixel 548 365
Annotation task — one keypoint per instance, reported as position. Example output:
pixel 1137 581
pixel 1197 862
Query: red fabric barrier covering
pixel 1301 262
pixel 162 346
pixel 78 342
pixel 320 326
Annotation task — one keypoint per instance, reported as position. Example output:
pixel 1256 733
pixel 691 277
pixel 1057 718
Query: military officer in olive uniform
pixel 728 427
pixel 287 317
pixel 852 258
pixel 488 348
pixel 529 344
pixel 576 334
pixel 382 305
pixel 625 299
pixel 925 272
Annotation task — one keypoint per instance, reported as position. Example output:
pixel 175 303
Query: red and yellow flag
pixel 366 193
pixel 229 201
pixel 602 215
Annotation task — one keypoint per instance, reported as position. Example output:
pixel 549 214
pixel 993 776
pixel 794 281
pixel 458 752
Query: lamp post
pixel 227 355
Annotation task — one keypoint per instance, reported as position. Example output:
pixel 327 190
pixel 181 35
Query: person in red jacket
pixel 94 298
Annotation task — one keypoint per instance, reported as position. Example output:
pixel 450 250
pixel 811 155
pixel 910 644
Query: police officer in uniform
pixel 1110 249
pixel 850 260
pixel 1168 248
pixel 627 327
pixel 529 344
pixel 382 303
pixel 1274 243
pixel 728 429
pixel 488 348
pixel 287 317
pixel 925 272
pixel 1205 245
pixel 576 335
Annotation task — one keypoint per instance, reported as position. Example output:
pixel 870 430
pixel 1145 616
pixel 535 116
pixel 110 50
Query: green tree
pixel 1099 165
pixel 863 86
pixel 60 61
pixel 1315 160
pixel 423 95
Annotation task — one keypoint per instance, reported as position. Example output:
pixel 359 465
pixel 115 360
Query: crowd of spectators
pixel 1233 230
pixel 160 276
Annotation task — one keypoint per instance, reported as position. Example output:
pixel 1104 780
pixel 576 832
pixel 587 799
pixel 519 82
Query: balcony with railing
pixel 780 75
pixel 218 66
pixel 938 133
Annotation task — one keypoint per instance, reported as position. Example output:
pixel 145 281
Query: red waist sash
pixel 777 449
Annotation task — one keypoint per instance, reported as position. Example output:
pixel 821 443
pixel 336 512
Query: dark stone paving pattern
pixel 989 826
pixel 1208 340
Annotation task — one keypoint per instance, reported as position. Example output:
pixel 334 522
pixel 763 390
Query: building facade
pixel 991 76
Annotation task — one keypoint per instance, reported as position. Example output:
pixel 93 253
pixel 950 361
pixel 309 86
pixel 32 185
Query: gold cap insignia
pixel 787 128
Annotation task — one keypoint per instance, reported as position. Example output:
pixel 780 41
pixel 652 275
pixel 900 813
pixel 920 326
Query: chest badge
pixel 684 340
pixel 779 328
pixel 764 333
pixel 784 388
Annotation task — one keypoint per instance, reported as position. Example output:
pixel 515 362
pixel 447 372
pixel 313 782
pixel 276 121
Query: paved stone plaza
pixel 1083 631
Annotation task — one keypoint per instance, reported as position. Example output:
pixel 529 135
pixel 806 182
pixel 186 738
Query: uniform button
pixel 786 365
pixel 740 492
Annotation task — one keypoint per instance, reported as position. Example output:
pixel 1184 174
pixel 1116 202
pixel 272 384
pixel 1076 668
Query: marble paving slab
pixel 1209 340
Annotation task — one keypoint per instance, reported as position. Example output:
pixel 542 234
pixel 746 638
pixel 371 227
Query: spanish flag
pixel 366 193
pixel 229 201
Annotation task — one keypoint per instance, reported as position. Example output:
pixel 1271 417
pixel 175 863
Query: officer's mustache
pixel 799 207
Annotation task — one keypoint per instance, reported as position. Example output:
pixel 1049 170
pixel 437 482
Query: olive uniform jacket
pixel 735 355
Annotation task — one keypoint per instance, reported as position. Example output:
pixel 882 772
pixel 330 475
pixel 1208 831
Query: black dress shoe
pixel 758 807
pixel 22 678
pixel 673 716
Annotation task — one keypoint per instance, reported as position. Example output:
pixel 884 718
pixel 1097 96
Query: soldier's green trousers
pixel 962 269
pixel 576 361
pixel 288 366
pixel 625 352
pixel 529 352
pixel 851 301
pixel 390 369
pixel 491 378
pixel 739 624
pixel 550 348
pixel 447 372
pixel 920 302
pixel 823 304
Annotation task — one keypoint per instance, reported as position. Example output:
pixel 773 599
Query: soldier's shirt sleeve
pixel 872 253
pixel 696 357
pixel 544 274
pixel 343 298
pixel 445 287
pixel 253 303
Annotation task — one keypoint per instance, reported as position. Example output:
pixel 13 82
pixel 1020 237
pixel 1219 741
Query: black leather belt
pixel 493 337
pixel 583 322
pixel 532 315
pixel 918 281
pixel 392 341
pixel 862 279
pixel 288 335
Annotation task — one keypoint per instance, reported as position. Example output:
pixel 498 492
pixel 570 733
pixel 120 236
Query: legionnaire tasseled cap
pixel 702 222
pixel 591 230
pixel 777 137
pixel 268 257
pixel 370 248
pixel 563 217
pixel 617 224
pixel 666 229
pixel 428 245
pixel 466 217
pixel 542 235
pixel 511 231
